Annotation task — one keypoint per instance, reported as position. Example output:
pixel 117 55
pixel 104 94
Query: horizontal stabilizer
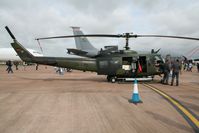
pixel 77 52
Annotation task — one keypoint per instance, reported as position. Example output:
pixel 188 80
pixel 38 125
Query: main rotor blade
pixel 88 35
pixel 126 35
pixel 163 36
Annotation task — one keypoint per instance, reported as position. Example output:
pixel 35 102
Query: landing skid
pixel 113 79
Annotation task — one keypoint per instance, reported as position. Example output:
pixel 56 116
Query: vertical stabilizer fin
pixel 82 43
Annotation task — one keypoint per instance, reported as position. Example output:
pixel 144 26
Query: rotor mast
pixel 127 41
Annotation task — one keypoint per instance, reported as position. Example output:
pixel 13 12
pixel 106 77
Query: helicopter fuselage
pixel 118 64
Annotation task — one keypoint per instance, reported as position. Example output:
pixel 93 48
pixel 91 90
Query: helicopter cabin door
pixel 107 66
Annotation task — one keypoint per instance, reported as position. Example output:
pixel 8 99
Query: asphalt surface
pixel 44 102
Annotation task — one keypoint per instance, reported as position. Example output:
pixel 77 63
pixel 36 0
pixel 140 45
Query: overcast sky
pixel 29 19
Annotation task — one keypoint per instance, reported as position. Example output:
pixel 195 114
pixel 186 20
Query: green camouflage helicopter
pixel 116 64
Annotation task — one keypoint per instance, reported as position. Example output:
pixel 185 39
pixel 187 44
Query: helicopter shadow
pixel 64 79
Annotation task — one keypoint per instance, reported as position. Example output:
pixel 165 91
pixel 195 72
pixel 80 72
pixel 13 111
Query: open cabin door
pixel 134 65
pixel 143 63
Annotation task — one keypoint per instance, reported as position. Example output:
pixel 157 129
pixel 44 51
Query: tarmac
pixel 44 102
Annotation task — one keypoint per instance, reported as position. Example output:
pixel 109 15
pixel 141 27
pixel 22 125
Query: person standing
pixel 190 66
pixel 9 64
pixel 176 68
pixel 37 66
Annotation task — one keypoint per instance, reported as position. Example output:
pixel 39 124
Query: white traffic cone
pixel 135 96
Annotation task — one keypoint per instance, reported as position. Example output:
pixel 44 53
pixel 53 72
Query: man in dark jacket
pixel 176 68
pixel 9 64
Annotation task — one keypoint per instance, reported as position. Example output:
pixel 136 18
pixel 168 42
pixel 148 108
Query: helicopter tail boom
pixel 23 53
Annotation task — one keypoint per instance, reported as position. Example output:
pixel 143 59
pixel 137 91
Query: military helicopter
pixel 116 64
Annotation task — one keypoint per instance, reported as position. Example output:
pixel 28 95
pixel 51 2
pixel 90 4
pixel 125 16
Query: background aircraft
pixel 10 54
pixel 84 47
